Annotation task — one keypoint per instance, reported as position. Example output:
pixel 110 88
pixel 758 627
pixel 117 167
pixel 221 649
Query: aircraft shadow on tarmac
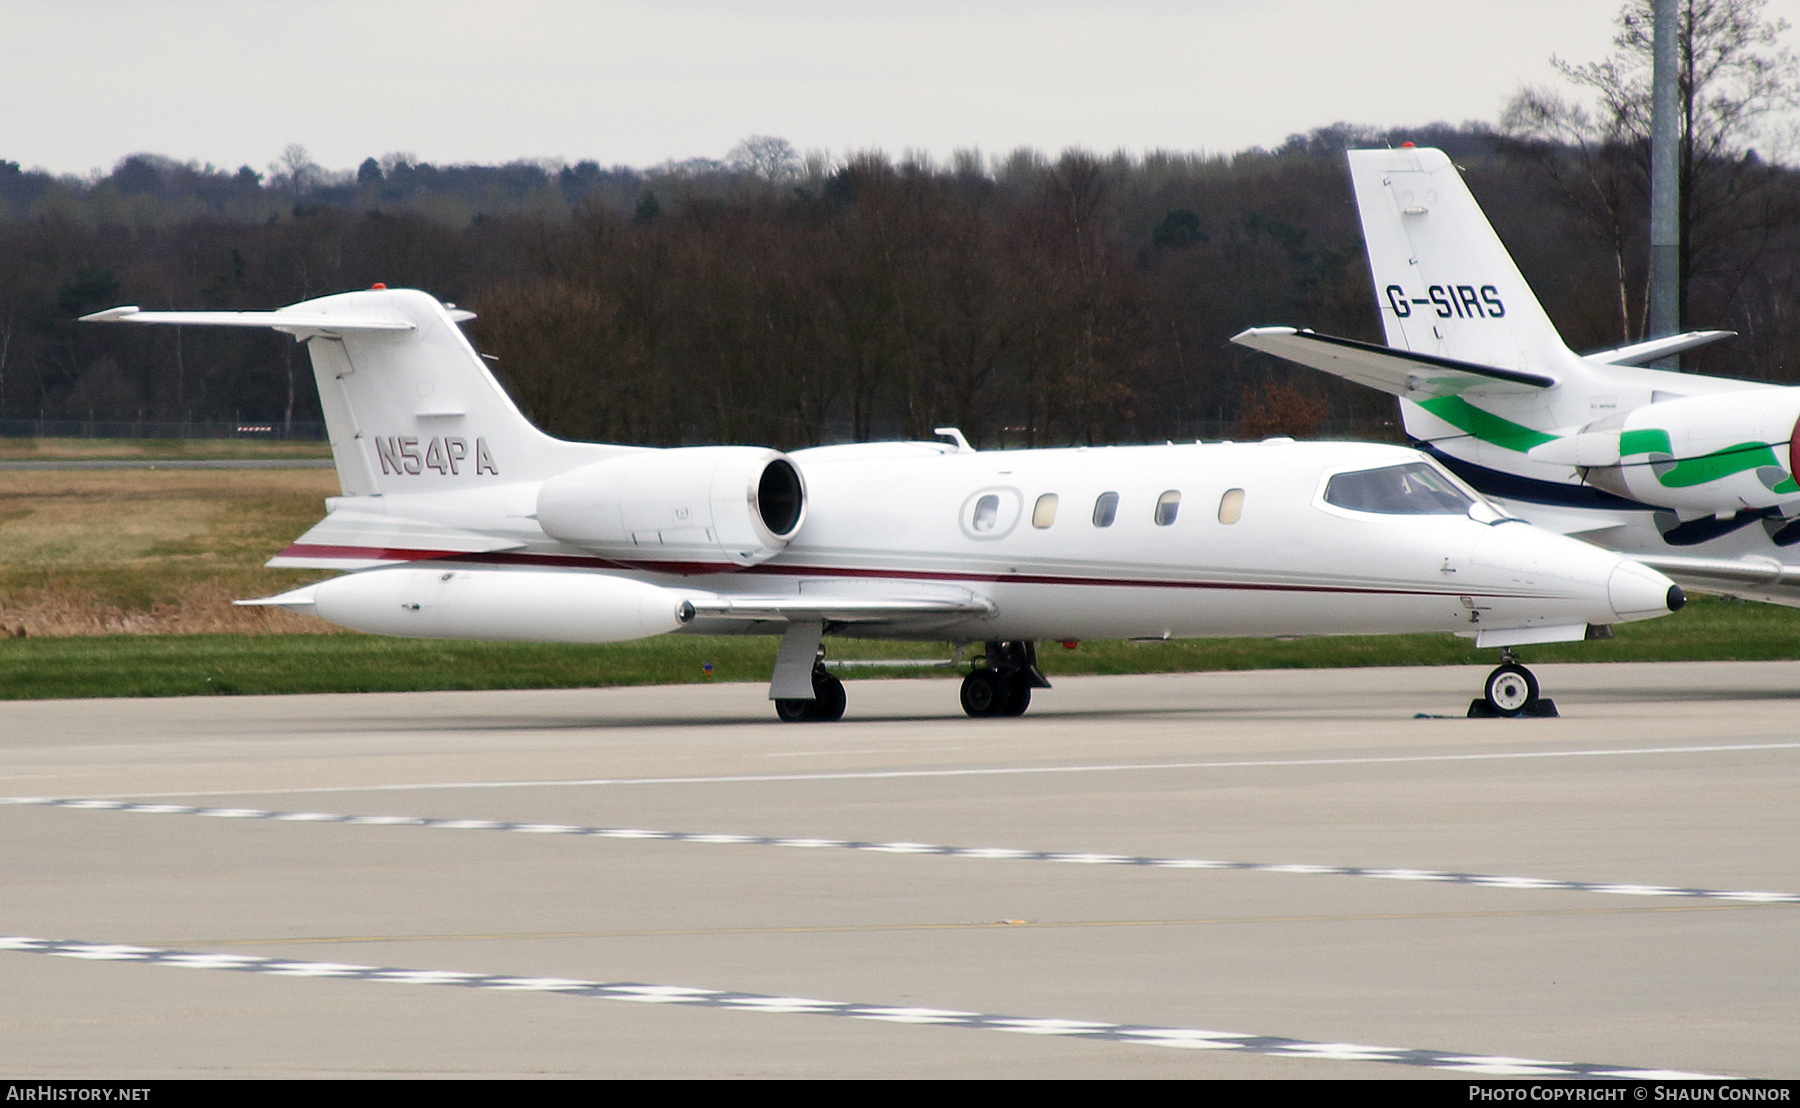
pixel 1256 708
pixel 754 717
pixel 1677 696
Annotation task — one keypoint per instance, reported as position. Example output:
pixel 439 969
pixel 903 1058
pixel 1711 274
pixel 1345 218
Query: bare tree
pixel 1734 76
pixel 296 167
pixel 772 159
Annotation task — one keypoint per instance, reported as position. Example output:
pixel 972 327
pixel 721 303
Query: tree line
pixel 779 300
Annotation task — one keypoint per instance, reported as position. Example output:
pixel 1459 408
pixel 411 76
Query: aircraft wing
pixel 837 609
pixel 1763 579
pixel 791 609
pixel 1400 372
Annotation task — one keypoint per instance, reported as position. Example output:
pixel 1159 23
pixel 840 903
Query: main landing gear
pixel 826 705
pixel 1511 691
pixel 1001 684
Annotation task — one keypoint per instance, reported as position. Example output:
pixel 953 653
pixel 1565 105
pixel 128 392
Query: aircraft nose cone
pixel 1639 592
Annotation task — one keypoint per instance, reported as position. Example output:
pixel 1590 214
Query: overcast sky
pixel 86 82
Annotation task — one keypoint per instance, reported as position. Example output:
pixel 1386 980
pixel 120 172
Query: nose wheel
pixel 1511 691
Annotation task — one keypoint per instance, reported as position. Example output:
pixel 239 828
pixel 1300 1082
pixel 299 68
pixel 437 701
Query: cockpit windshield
pixel 1413 489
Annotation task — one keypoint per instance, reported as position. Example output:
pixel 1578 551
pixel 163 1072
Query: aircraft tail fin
pixel 1445 284
pixel 409 406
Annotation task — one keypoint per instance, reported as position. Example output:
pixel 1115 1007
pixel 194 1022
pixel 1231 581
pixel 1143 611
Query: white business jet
pixel 459 519
pixel 1692 475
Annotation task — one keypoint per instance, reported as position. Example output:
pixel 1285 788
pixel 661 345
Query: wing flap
pixel 1400 372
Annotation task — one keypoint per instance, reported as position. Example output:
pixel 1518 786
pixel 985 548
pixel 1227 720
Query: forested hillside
pixel 1030 300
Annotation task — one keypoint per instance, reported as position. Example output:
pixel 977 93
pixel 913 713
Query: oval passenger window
pixel 987 510
pixel 1105 509
pixel 1044 514
pixel 1231 506
pixel 1166 506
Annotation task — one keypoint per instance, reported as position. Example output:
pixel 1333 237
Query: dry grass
pixel 50 449
pixel 102 552
pixel 62 609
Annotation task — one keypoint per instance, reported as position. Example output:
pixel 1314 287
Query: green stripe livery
pixel 1486 426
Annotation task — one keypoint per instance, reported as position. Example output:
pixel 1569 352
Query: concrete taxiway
pixel 1273 874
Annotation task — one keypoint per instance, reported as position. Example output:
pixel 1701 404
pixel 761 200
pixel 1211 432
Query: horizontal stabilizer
pixel 1400 372
pixel 1640 352
pixel 298 324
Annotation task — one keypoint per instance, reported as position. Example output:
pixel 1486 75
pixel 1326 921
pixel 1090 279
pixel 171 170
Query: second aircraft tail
pixel 1444 283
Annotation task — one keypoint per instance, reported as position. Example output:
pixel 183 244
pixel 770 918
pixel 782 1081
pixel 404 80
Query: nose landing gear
pixel 1511 691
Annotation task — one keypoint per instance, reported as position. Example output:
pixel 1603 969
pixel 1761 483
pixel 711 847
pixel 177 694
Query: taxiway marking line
pixel 1190 1038
pixel 990 925
pixel 987 771
pixel 1483 880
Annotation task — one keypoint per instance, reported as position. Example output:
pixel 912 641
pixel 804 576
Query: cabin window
pixel 1105 509
pixel 987 510
pixel 1044 514
pixel 1231 506
pixel 1166 506
pixel 992 513
pixel 1414 489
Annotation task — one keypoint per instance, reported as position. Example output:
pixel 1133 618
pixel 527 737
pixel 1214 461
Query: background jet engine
pixel 1699 454
pixel 693 504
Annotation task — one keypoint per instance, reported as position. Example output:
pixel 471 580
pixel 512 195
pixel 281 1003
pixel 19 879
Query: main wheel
pixel 986 693
pixel 1510 689
pixel 1018 689
pixel 826 706
pixel 828 698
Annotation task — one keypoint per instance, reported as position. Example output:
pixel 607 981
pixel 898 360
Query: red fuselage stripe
pixel 697 569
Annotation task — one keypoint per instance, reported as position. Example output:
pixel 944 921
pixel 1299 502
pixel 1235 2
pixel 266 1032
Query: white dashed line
pixel 1176 1037
pixel 1480 880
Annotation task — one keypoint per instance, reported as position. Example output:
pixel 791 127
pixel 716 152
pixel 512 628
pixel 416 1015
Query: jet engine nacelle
pixel 692 504
pixel 1716 453
pixel 501 605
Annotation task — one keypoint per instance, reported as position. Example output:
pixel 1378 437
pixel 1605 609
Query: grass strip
pixel 225 664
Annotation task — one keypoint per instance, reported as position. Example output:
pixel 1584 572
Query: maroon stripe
pixel 697 569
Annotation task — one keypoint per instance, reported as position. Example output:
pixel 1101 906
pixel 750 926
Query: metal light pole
pixel 1665 181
